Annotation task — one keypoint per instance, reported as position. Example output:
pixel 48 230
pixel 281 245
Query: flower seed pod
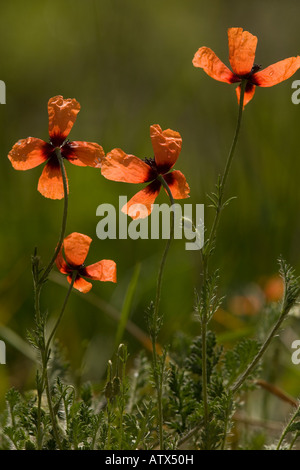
pixel 108 391
pixel 116 386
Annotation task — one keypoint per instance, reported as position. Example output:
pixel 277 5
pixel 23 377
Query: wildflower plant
pixel 242 47
pixel 76 247
pixel 53 183
pixel 31 152
pixel 185 395
pixel 118 166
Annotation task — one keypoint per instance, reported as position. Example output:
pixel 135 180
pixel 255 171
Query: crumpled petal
pixel 105 270
pixel 28 153
pixel 166 146
pixel 76 247
pixel 242 48
pixel 177 184
pixel 248 95
pixel 61 264
pixel 51 182
pixel 62 115
pixel 80 284
pixel 277 73
pixel 140 205
pixel 118 166
pixel 206 59
pixel 85 154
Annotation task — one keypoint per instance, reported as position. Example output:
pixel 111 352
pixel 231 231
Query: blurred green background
pixel 129 64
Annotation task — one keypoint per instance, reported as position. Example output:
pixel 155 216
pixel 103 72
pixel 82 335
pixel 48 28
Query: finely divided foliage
pixel 190 394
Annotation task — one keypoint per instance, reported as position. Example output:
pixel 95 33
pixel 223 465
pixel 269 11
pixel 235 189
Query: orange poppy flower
pixel 242 47
pixel 76 247
pixel 274 289
pixel 31 152
pixel 118 166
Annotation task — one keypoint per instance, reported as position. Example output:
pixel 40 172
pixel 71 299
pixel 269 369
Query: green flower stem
pixel 38 284
pixel 46 354
pixel 64 219
pixel 226 422
pixel 62 312
pixel 121 364
pixel 51 411
pixel 157 376
pixel 163 261
pixel 206 253
pixel 226 171
pixel 293 441
pixel 204 365
pixel 40 384
pixel 109 424
pixel 260 353
pixel 286 430
pixel 291 294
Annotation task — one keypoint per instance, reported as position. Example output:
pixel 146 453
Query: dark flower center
pixel 155 169
pixel 50 151
pixel 57 140
pixel 81 269
pixel 254 69
pixel 151 162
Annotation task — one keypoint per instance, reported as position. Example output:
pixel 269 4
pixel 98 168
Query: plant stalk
pixel 206 253
pixel 157 375
pixel 38 284
pixel 260 353
pixel 286 430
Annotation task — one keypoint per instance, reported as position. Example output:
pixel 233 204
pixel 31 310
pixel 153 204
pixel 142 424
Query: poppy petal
pixel 61 264
pixel 51 182
pixel 80 284
pixel 27 153
pixel 277 73
pixel 166 146
pixel 207 60
pixel 105 270
pixel 242 47
pixel 177 184
pixel 118 166
pixel 85 154
pixel 140 205
pixel 76 246
pixel 62 115
pixel 248 95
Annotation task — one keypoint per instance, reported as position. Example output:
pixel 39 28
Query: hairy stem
pixel 291 295
pixel 293 441
pixel 157 374
pixel 163 261
pixel 286 430
pixel 260 353
pixel 226 423
pixel 206 253
pixel 61 312
pixel 224 177
pixel 45 363
pixel 50 406
pixel 38 284
pixel 204 358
